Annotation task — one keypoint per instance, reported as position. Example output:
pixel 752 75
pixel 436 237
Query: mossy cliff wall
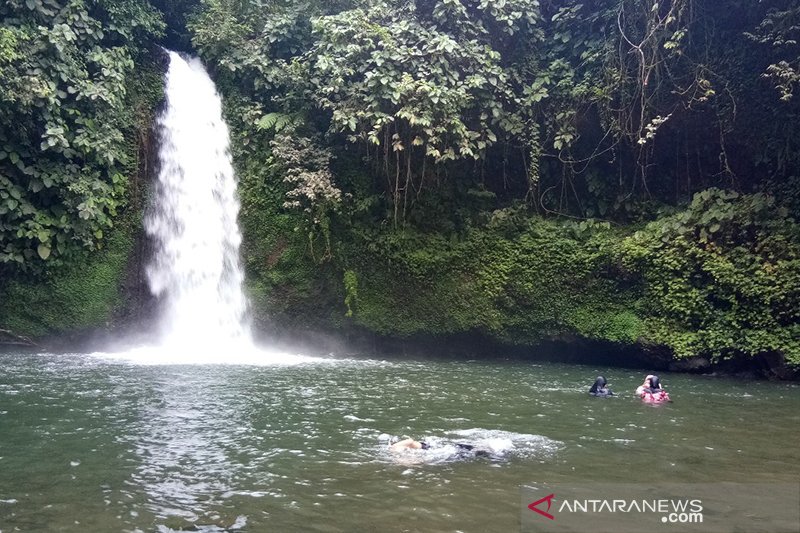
pixel 717 281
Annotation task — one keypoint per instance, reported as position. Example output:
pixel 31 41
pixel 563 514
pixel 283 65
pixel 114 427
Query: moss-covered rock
pixel 81 295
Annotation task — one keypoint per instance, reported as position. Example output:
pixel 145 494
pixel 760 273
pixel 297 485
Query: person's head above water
pixel 599 383
pixel 655 383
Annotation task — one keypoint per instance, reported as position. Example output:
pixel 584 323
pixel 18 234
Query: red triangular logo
pixel 549 500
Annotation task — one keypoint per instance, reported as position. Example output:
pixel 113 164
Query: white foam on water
pixel 490 443
pixel 251 356
pixel 509 443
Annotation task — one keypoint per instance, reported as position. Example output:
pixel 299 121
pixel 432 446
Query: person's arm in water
pixel 407 444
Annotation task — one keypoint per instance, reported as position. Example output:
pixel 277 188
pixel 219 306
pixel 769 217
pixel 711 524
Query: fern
pixel 278 121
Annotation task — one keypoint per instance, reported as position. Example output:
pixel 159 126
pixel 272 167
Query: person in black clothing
pixel 600 388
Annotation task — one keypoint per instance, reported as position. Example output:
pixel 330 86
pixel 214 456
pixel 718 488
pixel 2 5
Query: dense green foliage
pixel 67 143
pixel 619 170
pixel 77 94
pixel 722 276
pixel 583 108
pixel 717 279
pixel 78 296
pixel 407 147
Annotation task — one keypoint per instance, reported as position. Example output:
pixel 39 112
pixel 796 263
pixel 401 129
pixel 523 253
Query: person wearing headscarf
pixel 655 384
pixel 599 388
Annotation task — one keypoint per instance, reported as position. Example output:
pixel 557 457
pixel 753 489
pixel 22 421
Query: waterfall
pixel 192 219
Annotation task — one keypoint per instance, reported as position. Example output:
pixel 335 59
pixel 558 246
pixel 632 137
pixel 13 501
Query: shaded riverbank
pixel 360 343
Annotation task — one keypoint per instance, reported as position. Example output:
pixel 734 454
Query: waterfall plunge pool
pixel 93 443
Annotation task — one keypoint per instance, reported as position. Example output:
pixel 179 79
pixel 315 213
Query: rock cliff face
pixel 138 308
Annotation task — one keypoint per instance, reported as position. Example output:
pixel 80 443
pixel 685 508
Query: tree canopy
pixel 588 109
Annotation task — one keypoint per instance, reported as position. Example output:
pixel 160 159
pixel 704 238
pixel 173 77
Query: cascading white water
pixel 192 220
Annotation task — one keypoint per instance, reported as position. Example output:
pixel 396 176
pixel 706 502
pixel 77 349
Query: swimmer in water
pixel 409 444
pixel 651 390
pixel 599 388
pixel 655 384
pixel 463 450
pixel 645 386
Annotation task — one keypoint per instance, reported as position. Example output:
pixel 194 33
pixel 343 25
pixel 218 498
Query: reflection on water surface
pixel 89 443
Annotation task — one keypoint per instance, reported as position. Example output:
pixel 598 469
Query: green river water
pixel 95 444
